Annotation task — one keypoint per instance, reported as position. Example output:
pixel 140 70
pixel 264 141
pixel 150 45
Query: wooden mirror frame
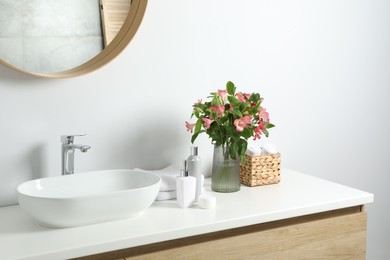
pixel 118 44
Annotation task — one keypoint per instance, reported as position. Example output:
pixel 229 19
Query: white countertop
pixel 297 194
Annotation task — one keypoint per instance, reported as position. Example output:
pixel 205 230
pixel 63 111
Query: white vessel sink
pixel 87 198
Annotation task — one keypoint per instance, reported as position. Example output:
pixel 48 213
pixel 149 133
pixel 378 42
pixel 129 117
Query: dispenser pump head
pixel 194 150
pixel 184 171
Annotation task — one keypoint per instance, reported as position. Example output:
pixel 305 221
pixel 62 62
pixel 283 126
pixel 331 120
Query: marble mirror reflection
pixel 47 37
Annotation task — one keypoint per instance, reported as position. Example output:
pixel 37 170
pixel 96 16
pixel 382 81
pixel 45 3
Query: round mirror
pixel 65 38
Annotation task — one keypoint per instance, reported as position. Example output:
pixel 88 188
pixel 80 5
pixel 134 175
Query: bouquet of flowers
pixel 230 118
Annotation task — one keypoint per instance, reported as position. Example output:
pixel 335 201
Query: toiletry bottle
pixel 194 168
pixel 185 186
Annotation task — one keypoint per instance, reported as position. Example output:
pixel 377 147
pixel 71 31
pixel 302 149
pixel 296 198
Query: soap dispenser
pixel 185 188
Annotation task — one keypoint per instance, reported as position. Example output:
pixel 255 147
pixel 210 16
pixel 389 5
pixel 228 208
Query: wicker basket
pixel 260 170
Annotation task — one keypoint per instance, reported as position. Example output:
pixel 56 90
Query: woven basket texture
pixel 260 170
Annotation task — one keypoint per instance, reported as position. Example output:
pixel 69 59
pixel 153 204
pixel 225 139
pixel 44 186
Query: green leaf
pixel 254 97
pixel 236 112
pixel 198 126
pixel 215 133
pixel 213 114
pixel 231 131
pixel 247 133
pixel 222 120
pixel 231 89
pixel 244 146
pixel 234 101
pixel 196 113
pixel 194 136
pixel 243 106
pixel 266 132
pixel 242 158
pixel 242 149
pixel 269 125
pixel 201 106
pixel 216 101
pixel 257 107
pixel 233 150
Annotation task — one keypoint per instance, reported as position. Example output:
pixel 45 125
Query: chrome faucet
pixel 67 152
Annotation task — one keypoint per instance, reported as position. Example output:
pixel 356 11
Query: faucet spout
pixel 67 153
pixel 83 148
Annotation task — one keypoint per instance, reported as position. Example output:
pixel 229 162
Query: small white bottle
pixel 194 168
pixel 185 186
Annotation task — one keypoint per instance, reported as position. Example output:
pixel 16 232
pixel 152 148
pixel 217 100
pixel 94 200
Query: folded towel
pixel 268 149
pixel 166 195
pixel 167 175
pixel 170 195
pixel 253 150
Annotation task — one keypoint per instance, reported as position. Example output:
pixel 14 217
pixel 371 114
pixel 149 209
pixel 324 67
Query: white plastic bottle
pixel 194 168
pixel 185 186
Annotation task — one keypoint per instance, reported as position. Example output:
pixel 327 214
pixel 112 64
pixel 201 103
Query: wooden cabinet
pixel 337 234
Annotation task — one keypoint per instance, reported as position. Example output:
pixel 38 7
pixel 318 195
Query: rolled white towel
pixel 268 149
pixel 253 150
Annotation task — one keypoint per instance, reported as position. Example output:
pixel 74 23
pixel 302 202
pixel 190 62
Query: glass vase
pixel 226 171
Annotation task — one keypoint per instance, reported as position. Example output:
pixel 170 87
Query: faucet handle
pixel 69 139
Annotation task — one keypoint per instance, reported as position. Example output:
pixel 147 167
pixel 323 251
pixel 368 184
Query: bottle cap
pixel 194 150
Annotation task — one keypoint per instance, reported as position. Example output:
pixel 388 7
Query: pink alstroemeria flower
pixel 222 94
pixel 189 126
pixel 263 115
pixel 239 124
pixel 259 129
pixel 207 122
pixel 219 109
pixel 247 119
pixel 242 122
pixel 257 135
pixel 241 96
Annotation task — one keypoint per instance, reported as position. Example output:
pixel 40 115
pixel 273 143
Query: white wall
pixel 322 66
